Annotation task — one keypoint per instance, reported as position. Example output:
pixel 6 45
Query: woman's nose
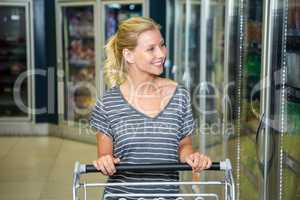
pixel 161 52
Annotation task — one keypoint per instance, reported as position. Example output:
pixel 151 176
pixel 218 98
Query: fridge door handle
pixel 260 127
pixel 259 143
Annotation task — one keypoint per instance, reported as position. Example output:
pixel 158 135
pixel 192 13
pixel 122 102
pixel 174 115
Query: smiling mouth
pixel 160 63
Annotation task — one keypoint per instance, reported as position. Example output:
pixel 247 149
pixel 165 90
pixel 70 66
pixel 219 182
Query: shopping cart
pixel 227 182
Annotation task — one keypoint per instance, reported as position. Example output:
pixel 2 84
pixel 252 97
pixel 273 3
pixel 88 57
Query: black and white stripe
pixel 139 139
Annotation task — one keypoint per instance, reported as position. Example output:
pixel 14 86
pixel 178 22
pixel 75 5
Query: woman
pixel 143 118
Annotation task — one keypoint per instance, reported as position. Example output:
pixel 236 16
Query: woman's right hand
pixel 106 164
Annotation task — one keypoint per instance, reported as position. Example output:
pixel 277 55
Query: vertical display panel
pixel 250 99
pixel 291 139
pixel 78 62
pixel 187 50
pixel 13 62
pixel 199 60
pixel 117 12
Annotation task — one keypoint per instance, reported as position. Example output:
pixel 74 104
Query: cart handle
pixel 222 165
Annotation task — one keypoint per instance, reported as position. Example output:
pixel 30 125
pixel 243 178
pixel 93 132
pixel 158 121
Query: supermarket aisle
pixel 40 168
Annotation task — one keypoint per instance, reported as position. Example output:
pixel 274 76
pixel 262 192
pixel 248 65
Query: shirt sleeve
pixel 99 120
pixel 188 124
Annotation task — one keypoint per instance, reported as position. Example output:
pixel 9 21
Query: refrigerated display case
pixel 204 63
pixel 270 105
pixel 250 101
pixel 291 138
pixel 199 53
pixel 264 69
pixel 200 57
pixel 15 61
pixel 78 61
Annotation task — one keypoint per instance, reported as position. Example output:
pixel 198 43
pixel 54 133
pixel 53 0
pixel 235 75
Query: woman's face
pixel 150 53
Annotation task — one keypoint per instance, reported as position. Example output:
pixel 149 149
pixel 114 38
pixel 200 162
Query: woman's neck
pixel 142 84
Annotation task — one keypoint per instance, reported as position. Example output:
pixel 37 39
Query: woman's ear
pixel 128 56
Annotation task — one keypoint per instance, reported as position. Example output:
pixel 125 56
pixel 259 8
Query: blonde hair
pixel 125 38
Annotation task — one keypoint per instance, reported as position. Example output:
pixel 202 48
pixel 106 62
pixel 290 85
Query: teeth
pixel 158 63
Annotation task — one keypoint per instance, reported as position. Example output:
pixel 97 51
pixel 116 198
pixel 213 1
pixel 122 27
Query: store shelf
pixel 293 33
pixel 293 94
pixel 12 44
pixel 293 43
pixel 80 63
pixel 293 40
pixel 82 37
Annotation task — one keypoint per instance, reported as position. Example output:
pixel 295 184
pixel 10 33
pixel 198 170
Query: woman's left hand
pixel 198 161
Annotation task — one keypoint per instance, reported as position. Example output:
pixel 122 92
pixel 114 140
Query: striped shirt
pixel 140 139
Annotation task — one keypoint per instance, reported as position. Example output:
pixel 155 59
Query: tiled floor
pixel 40 168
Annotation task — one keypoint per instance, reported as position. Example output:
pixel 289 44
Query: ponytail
pixel 114 70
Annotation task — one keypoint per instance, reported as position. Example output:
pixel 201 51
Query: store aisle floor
pixel 40 168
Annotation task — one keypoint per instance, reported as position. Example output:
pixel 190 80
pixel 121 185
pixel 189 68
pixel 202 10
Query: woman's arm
pixel 185 148
pixel 104 145
pixel 187 155
pixel 105 162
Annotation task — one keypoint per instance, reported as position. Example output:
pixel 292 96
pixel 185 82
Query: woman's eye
pixel 150 49
pixel 163 45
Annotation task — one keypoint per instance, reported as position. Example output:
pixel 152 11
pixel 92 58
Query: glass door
pixel 257 67
pixel 270 110
pixel 291 136
pixel 204 63
pixel 77 61
pixel 251 98
pixel 199 57
pixel 15 61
